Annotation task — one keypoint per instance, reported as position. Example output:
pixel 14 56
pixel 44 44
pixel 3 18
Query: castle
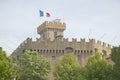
pixel 52 45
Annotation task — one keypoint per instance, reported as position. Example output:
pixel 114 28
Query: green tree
pixel 97 68
pixel 115 56
pixel 7 68
pixel 68 69
pixel 33 67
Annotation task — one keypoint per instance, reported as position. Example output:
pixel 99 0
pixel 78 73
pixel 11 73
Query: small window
pixel 38 51
pixel 23 50
pixel 53 57
pixel 43 51
pixel 63 51
pixel 91 51
pixel 17 57
pixel 84 51
pixel 59 51
pixel 30 49
pixel 87 51
pixel 47 51
pixel 78 51
pixel 55 34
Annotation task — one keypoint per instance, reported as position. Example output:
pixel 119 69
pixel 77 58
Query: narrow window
pixel 55 34
pixel 17 57
pixel 53 57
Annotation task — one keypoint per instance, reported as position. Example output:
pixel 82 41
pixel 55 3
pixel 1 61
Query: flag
pixel 41 13
pixel 47 14
pixel 44 14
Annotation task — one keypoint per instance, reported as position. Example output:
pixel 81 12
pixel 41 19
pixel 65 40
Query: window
pixel 38 51
pixel 50 51
pixel 43 51
pixel 91 51
pixel 17 57
pixel 23 50
pixel 53 57
pixel 87 51
pixel 63 51
pixel 84 51
pixel 59 51
pixel 78 51
pixel 55 34
pixel 30 49
pixel 53 51
pixel 47 51
pixel 75 51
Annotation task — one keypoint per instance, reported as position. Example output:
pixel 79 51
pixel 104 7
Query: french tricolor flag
pixel 44 14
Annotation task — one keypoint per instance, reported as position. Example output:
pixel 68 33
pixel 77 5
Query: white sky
pixel 99 19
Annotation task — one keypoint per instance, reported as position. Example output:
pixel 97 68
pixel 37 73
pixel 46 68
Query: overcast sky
pixel 98 19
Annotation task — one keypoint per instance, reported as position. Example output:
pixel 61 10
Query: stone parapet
pixel 51 25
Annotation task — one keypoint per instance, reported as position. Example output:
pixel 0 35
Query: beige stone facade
pixel 52 45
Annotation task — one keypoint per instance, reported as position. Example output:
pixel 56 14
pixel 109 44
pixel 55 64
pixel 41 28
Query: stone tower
pixel 51 30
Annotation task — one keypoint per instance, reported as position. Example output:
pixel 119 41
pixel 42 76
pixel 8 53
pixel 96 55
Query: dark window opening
pixel 53 57
pixel 91 51
pixel 47 51
pixel 30 49
pixel 81 51
pixel 84 51
pixel 55 34
pixel 17 57
pixel 63 51
pixel 87 51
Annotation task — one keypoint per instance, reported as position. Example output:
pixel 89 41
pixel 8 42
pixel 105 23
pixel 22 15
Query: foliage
pixel 33 67
pixel 98 69
pixel 68 69
pixel 115 56
pixel 7 68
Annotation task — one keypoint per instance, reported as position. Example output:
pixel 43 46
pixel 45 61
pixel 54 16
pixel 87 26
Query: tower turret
pixel 51 30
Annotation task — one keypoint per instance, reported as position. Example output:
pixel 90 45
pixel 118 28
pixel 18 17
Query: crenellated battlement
pixel 91 41
pixel 55 24
pixel 24 43
pixel 51 25
pixel 74 40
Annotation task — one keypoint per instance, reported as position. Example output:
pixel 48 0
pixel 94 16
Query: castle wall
pixel 53 47
pixel 55 50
